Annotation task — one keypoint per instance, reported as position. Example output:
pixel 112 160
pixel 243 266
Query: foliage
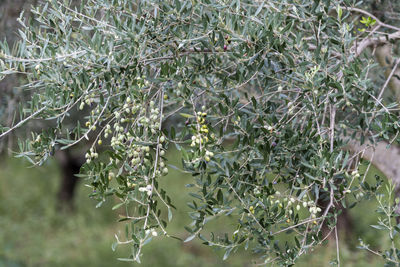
pixel 34 233
pixel 385 223
pixel 260 98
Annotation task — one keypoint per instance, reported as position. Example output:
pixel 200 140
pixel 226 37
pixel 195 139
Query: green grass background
pixel 34 233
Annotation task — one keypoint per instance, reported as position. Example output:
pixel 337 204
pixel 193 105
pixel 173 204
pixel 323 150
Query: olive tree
pixel 274 106
pixel 11 97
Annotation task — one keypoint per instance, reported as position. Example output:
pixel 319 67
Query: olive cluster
pixel 291 204
pixel 135 136
pixel 89 99
pixel 200 138
pixel 91 155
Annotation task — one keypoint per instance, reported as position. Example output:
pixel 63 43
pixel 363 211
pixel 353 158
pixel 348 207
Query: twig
pixel 337 246
pixel 389 78
pixel 332 125
pixel 90 129
pixel 358 10
pixel 297 225
pixel 19 124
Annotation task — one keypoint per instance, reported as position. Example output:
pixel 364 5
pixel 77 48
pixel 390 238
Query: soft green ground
pixel 33 233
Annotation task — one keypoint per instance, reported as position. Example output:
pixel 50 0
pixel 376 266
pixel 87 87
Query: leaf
pixel 99 204
pixel 190 238
pixel 227 252
pixel 169 214
pixel 185 115
pixel 125 259
pixel 307 165
pixel 123 219
pixel 363 20
pixel 339 12
pixel 259 9
pixel 147 241
pixel 377 227
pixel 220 197
pixel 287 27
pixel 310 176
pixel 118 206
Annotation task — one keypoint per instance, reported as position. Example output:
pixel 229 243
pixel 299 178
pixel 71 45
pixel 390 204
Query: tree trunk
pixel 383 156
pixel 344 222
pixel 70 165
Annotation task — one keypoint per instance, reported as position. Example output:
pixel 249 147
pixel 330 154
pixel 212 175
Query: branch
pixel 388 79
pixel 19 124
pixel 360 47
pixel 379 22
pixel 385 59
pixel 383 156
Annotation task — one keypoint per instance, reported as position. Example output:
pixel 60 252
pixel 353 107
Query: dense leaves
pixel 260 98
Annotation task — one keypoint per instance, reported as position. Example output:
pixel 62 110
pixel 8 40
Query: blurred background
pixel 34 231
pixel 47 218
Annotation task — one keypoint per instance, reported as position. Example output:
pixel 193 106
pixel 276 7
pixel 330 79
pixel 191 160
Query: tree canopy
pixel 261 98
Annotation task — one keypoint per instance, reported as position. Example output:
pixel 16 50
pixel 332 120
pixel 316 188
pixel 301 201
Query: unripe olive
pixel 165 171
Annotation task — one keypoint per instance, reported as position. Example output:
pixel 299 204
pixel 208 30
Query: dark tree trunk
pixel 344 223
pixel 69 165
